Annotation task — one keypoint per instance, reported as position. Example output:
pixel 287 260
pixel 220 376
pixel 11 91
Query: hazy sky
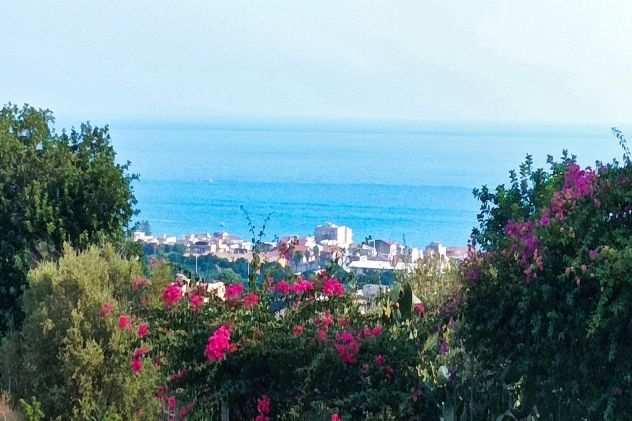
pixel 564 61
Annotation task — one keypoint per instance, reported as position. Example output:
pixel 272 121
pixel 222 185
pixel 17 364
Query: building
pixel 334 235
pixel 435 249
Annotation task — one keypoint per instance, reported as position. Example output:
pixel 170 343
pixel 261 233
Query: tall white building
pixel 331 234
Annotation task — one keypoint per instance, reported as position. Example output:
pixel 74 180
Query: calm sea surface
pixel 389 181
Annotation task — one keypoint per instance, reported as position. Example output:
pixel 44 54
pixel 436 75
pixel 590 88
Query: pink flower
pixel 302 286
pixel 321 335
pixel 262 418
pixel 325 321
pixel 282 287
pixel 125 322
pixel 379 360
pixel 172 294
pixel 251 301
pixel 196 301
pixel 139 283
pixel 234 291
pixel 420 309
pixel 347 346
pixel 336 417
pixel 298 330
pixel 136 365
pixel 263 405
pixel 106 310
pixel 333 288
pixel 143 330
pixel 140 352
pixel 171 403
pixel 377 330
pixel 218 344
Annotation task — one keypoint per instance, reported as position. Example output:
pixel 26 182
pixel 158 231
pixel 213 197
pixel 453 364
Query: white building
pixel 335 235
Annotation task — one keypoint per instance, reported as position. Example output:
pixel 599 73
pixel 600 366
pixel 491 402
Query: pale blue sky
pixel 527 61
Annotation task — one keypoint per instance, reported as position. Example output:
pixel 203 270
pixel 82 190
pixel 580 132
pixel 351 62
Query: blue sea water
pixel 388 181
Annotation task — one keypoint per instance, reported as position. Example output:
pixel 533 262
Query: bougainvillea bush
pixel 289 350
pixel 548 297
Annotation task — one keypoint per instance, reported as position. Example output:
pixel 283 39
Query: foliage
pixel 548 303
pixel 71 354
pixel 54 188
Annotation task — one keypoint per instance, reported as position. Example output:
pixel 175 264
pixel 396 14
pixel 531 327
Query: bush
pixel 70 354
pixel 548 302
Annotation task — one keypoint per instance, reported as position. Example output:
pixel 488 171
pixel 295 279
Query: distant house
pixel 201 248
pixel 435 249
pixel 385 248
pixel 365 266
pixel 335 235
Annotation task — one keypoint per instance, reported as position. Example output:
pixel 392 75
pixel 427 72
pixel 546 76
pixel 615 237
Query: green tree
pixel 54 188
pixel 71 356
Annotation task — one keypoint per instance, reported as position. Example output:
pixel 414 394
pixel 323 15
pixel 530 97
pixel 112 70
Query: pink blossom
pixel 171 403
pixel 218 344
pixel 196 301
pixel 141 351
pixel 143 330
pixel 234 291
pixel 379 360
pixel 251 301
pixel 347 346
pixel 106 310
pixel 262 418
pixel 125 322
pixel 298 330
pixel 136 364
pixel 302 286
pixel 377 330
pixel 336 417
pixel 282 287
pixel 263 405
pixel 325 321
pixel 333 288
pixel 172 294
pixel 321 335
pixel 420 309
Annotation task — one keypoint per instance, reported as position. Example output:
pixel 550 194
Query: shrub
pixel 71 353
pixel 548 301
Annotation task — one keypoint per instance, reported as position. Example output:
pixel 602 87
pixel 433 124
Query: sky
pixel 551 61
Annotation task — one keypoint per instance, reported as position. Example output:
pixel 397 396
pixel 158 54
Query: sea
pixel 406 182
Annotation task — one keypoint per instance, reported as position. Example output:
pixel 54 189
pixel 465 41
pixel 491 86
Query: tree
pixel 54 188
pixel 71 353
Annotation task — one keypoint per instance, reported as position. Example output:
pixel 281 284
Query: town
pixel 300 254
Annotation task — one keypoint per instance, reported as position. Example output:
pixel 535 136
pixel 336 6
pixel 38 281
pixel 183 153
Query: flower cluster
pixel 251 301
pixel 196 301
pixel 347 346
pixel 525 246
pixel 218 344
pixel 333 288
pixel 263 408
pixel 172 294
pixel 233 292
pixel 136 364
pixel 106 310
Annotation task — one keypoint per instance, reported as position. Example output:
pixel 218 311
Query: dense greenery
pixel 548 310
pixel 71 357
pixel 54 188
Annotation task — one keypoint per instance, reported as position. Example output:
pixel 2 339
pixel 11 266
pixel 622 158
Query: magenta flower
pixel 347 346
pixel 298 330
pixel 336 417
pixel 234 291
pixel 333 288
pixel 143 330
pixel 172 294
pixel 125 322
pixel 379 360
pixel 263 405
pixel 251 301
pixel 282 287
pixel 136 364
pixel 196 301
pixel 420 309
pixel 302 286
pixel 218 344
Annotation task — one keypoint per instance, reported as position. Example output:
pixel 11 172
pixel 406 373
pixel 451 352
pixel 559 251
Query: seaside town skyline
pixel 302 253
